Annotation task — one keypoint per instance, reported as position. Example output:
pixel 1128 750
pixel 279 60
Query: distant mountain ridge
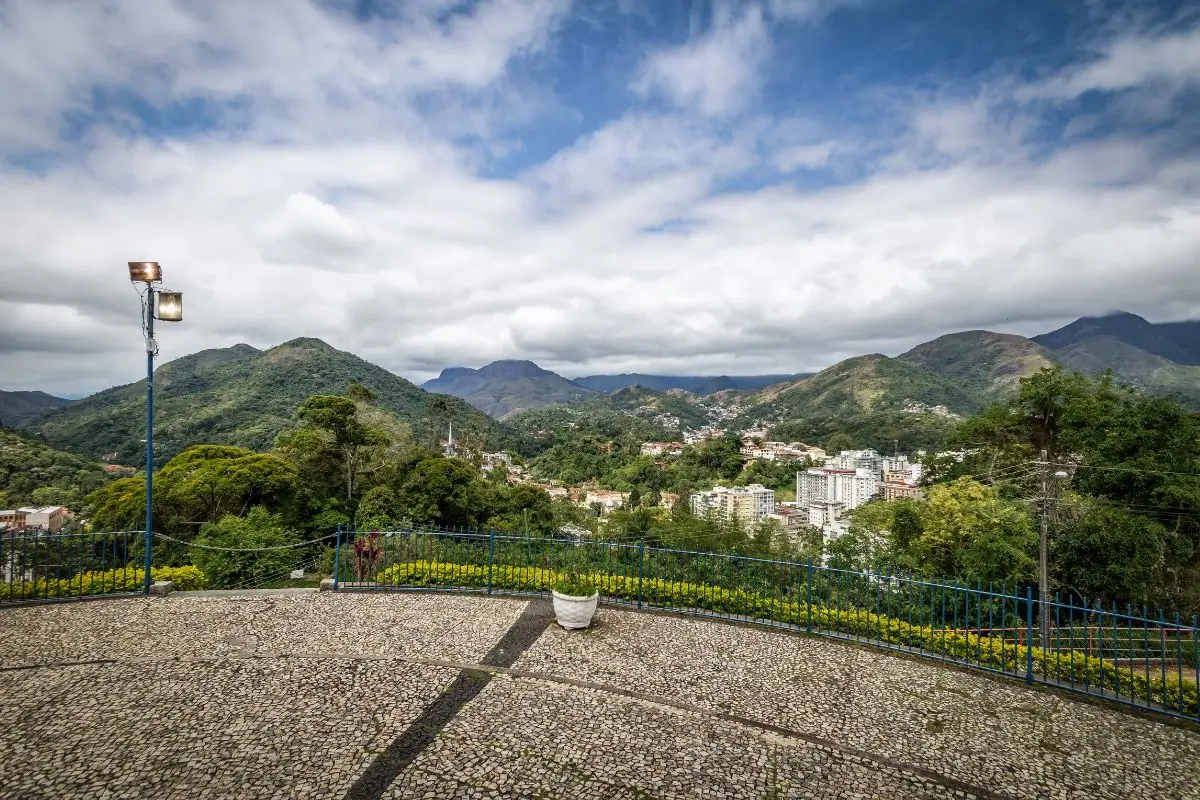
pixel 1161 358
pixel 1175 341
pixel 696 384
pixel 986 365
pixel 245 396
pixel 236 395
pixel 16 408
pixel 962 371
pixel 507 386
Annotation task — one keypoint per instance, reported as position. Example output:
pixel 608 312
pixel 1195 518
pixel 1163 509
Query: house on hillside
pixel 607 501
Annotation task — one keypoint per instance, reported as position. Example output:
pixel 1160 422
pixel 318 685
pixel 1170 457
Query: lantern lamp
pixel 147 271
pixel 168 306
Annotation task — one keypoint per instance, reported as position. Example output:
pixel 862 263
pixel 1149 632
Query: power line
pixel 243 549
pixel 1135 469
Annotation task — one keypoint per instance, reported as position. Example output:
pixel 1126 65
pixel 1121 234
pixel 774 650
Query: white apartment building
pixel 851 487
pixel 749 503
pixel 857 459
pixel 822 512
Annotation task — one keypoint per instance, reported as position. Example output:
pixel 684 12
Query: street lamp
pixel 167 307
pixel 1044 552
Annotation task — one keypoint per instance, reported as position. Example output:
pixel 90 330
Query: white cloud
pixel 1127 62
pixel 716 74
pixel 807 10
pixel 342 209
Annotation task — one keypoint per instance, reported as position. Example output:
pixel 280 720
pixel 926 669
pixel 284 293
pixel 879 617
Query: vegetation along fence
pixel 1133 657
pixel 45 567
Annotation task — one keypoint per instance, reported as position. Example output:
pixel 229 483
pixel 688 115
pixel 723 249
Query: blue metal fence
pixel 42 566
pixel 1133 657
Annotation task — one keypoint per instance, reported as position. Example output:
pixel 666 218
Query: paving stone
pixel 295 695
pixel 449 627
pixel 245 728
pixel 529 738
pixel 1000 735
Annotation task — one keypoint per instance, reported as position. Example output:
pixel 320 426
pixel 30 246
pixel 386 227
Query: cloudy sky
pixel 601 186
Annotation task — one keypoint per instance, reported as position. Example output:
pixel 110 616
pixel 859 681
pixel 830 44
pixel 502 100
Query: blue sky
pixel 617 185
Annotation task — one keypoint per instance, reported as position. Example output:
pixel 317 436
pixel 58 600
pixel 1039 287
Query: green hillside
pixel 650 403
pixel 507 387
pixel 34 473
pixel 863 398
pixel 17 408
pixel 868 383
pixel 239 396
pixel 1133 366
pixel 984 364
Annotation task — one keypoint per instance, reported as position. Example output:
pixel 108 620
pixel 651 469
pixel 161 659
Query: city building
pixel 777 451
pixel 45 518
pixel 858 459
pixel 491 460
pixel 890 490
pixel 607 500
pixel 662 448
pixel 823 512
pixel 790 517
pixel 746 503
pixel 702 435
pixel 851 487
pixel 13 519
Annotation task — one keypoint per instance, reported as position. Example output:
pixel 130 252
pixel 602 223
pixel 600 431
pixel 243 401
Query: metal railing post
pixel 1029 635
pixel 641 564
pixel 491 556
pixel 808 607
pixel 146 579
pixel 337 556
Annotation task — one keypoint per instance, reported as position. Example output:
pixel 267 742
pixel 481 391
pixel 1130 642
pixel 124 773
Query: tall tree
pixel 338 416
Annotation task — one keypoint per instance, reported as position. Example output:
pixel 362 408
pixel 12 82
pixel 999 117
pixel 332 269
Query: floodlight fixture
pixel 168 306
pixel 145 271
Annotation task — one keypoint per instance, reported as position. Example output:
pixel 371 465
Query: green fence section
pixel 41 565
pixel 1138 659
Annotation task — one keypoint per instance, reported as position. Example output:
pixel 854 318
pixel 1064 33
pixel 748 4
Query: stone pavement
pixel 408 695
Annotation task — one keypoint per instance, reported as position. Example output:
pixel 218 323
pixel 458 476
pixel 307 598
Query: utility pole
pixel 1043 556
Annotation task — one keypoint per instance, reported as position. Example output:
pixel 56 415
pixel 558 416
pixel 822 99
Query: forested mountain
pixel 34 473
pixel 984 364
pixel 1175 341
pixel 241 396
pixel 17 408
pixel 696 384
pixel 505 387
pixel 869 401
pixel 1162 359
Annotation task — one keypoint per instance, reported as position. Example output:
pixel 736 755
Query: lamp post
pixel 1044 552
pixel 167 307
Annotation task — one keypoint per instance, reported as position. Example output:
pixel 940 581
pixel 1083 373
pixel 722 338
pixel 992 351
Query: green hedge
pixel 113 581
pixel 987 651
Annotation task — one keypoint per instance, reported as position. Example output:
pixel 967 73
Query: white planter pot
pixel 575 612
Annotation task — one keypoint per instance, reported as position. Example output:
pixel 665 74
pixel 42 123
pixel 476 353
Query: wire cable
pixel 243 549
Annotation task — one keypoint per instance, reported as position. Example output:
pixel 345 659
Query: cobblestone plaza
pixel 320 695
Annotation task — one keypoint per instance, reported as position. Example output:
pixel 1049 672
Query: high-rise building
pixel 747 503
pixel 857 459
pixel 851 487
